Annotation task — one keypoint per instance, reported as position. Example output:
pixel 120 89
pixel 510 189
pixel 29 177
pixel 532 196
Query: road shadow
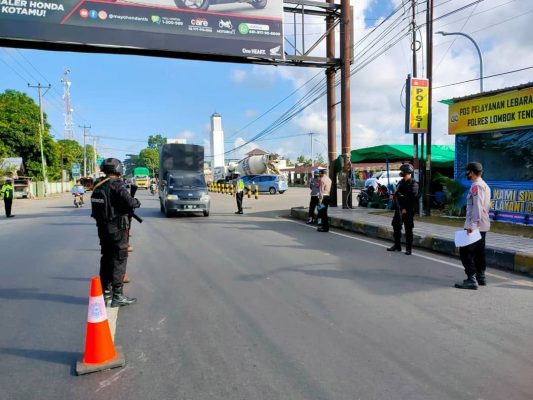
pixel 64 278
pixel 51 356
pixel 34 294
pixel 71 223
pixel 379 281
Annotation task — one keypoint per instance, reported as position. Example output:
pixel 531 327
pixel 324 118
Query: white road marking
pixel 112 315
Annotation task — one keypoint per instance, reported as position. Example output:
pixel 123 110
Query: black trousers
pixel 7 205
pixel 323 213
pixel 114 250
pixel 407 220
pixel 312 206
pixel 239 196
pixel 473 257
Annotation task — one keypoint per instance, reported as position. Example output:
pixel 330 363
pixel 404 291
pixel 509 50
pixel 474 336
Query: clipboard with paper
pixel 463 239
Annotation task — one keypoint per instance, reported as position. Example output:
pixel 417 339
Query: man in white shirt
pixel 477 217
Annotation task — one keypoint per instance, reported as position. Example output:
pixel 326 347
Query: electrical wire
pixel 485 77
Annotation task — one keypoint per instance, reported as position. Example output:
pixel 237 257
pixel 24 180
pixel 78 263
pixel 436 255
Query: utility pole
pixel 413 47
pixel 331 104
pixel 85 128
pixel 346 58
pixel 416 161
pixel 61 152
pixel 41 131
pixel 94 151
pixel 312 148
pixel 429 52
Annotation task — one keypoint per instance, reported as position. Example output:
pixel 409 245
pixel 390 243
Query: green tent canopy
pixel 441 156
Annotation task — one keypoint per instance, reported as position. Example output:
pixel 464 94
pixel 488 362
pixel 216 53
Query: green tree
pixel 320 160
pixel 19 134
pixel 72 152
pixel 156 141
pixel 131 161
pixel 301 160
pixel 150 159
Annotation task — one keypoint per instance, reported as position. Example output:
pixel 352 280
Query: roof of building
pixel 10 162
pixel 489 93
pixel 256 152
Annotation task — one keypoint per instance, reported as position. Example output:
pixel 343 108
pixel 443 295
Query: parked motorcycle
pixel 377 195
pixel 78 200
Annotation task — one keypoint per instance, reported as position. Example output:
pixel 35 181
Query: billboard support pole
pixel 331 107
pixel 346 52
pixel 429 52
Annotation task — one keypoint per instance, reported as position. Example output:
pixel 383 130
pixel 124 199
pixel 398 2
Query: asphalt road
pixel 254 306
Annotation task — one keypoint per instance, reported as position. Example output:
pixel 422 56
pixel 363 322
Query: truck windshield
pixel 186 181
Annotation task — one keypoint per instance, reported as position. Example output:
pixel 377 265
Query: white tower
pixel 217 141
pixel 69 123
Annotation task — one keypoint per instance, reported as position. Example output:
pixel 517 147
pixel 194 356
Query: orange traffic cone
pixel 100 353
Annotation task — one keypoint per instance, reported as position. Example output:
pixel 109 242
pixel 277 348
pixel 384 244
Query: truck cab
pixel 182 186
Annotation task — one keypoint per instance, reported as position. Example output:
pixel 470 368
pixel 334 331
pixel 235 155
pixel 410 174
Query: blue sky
pixel 132 97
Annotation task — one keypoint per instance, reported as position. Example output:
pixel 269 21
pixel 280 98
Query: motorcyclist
pixel 78 190
pixel 153 187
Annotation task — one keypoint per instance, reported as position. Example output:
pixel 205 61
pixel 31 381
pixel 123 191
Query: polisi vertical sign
pixel 416 119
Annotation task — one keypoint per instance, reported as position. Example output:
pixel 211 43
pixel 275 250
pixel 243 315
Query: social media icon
pixel 93 14
pixel 102 15
pixel 84 13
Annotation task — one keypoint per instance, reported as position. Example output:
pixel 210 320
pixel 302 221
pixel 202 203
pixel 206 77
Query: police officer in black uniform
pixel 113 226
pixel 405 199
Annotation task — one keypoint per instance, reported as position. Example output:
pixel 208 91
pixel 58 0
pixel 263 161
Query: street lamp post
pixel 478 52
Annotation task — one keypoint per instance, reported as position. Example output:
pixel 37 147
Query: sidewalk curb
pixel 496 257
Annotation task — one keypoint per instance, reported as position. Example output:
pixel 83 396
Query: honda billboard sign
pixel 211 27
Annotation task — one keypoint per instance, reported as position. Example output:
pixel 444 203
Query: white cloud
pixel 377 115
pixel 186 135
pixel 250 113
pixel 240 152
pixel 238 75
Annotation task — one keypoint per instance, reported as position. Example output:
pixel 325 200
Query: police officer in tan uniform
pixel 477 217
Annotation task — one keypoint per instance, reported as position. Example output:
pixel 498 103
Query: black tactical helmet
pixel 475 167
pixel 112 166
pixel 406 169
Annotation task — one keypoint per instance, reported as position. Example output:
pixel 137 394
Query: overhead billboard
pixel 209 27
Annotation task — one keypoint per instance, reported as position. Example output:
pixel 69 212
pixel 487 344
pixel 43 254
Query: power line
pixel 485 77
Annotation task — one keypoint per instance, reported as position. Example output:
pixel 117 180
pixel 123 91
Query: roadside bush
pixel 453 192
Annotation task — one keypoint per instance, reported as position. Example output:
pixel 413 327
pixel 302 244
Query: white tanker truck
pixel 252 165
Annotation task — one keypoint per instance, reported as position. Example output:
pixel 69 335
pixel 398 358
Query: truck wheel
pixel 206 213
pixel 259 4
pixel 200 5
pixel 272 190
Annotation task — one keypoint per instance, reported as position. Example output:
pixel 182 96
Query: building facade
pixel 496 129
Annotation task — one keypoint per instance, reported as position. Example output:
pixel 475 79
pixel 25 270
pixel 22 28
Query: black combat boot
pixel 481 280
pixel 119 299
pixel 408 250
pixel 395 247
pixel 469 283
pixel 108 294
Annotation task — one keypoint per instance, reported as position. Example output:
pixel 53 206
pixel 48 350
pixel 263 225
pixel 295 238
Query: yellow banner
pixel 506 110
pixel 418 111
